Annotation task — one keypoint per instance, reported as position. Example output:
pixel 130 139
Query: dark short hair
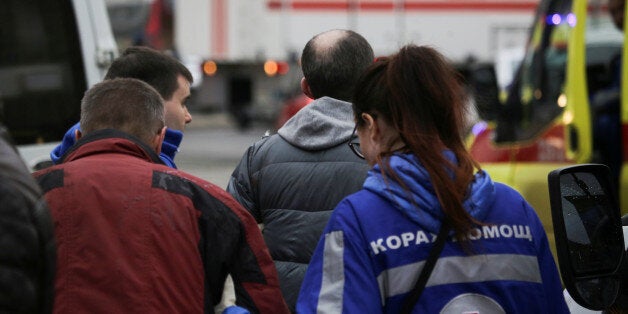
pixel 333 69
pixel 157 69
pixel 124 104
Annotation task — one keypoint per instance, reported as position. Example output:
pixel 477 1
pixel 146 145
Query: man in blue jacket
pixel 164 73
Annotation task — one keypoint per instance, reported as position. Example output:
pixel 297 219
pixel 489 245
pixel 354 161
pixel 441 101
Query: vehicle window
pixel 604 42
pixel 533 102
pixel 41 69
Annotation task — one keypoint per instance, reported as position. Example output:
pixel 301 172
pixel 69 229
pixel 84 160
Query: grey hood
pixel 325 122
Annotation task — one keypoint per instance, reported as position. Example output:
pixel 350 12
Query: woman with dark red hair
pixel 494 255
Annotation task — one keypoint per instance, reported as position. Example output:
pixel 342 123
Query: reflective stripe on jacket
pixel 377 241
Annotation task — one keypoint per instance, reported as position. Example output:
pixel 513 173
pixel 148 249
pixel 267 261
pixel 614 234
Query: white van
pixel 51 51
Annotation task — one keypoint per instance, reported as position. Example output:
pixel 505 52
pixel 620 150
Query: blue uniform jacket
pixel 377 239
pixel 169 148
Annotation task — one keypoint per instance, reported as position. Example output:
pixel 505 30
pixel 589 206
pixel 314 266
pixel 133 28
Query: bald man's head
pixel 333 61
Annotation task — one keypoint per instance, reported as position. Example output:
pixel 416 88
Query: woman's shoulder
pixel 363 199
pixel 505 191
pixel 510 202
pixel 364 206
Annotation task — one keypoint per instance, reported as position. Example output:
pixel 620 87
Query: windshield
pixel 536 97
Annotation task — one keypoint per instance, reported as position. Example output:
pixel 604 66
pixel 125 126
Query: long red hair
pixel 418 92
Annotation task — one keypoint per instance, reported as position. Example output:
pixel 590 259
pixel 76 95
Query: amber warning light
pixel 209 68
pixel 272 68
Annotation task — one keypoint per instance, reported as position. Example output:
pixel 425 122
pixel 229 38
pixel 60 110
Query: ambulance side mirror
pixel 588 233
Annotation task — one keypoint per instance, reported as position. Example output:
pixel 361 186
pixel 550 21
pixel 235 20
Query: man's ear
pixel 305 87
pixel 158 140
pixel 77 134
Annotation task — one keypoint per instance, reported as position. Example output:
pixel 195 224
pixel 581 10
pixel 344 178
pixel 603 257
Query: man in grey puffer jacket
pixel 291 181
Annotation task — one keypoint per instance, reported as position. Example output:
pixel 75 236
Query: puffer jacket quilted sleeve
pixel 27 247
pixel 292 192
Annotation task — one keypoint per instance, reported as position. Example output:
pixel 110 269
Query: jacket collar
pixel 107 141
pixel 324 123
pixel 416 196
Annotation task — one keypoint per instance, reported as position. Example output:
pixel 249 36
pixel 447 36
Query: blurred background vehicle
pixel 50 53
pixel 250 50
pixel 244 55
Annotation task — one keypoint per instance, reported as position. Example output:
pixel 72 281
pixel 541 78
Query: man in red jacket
pixel 134 235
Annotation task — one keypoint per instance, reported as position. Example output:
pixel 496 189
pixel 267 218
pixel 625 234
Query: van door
pixel 41 69
pixel 48 57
